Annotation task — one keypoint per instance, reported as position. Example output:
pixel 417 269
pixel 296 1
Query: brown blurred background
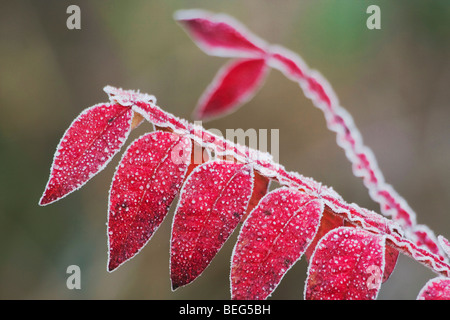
pixel 394 81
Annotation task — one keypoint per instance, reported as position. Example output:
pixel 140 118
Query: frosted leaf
pixel 274 236
pixel 435 289
pixel 212 202
pixel 234 84
pixel 332 221
pixel 348 264
pixel 147 180
pixel 220 34
pixel 87 146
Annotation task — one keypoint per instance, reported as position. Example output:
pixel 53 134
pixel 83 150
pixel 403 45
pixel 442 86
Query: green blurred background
pixel 394 81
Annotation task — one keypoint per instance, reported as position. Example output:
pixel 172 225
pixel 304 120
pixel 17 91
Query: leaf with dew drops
pixel 87 146
pixel 146 181
pixel 348 264
pixel 274 236
pixel 331 221
pixel 212 203
pixel 435 289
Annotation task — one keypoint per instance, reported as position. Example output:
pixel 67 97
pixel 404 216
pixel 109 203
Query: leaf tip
pixel 177 282
pixel 43 201
pixel 175 286
pixel 48 197
pixel 113 264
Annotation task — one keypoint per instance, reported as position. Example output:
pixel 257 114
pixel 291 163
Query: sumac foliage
pixel 351 251
pixel 212 203
pixel 143 188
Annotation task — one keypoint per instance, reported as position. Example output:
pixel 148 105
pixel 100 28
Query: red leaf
pixel 390 257
pixel 274 236
pixel 90 142
pixel 220 35
pixel 212 202
pixel 332 221
pixel 148 178
pixel 260 188
pixel 235 84
pixel 435 289
pixel 328 222
pixel 348 264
